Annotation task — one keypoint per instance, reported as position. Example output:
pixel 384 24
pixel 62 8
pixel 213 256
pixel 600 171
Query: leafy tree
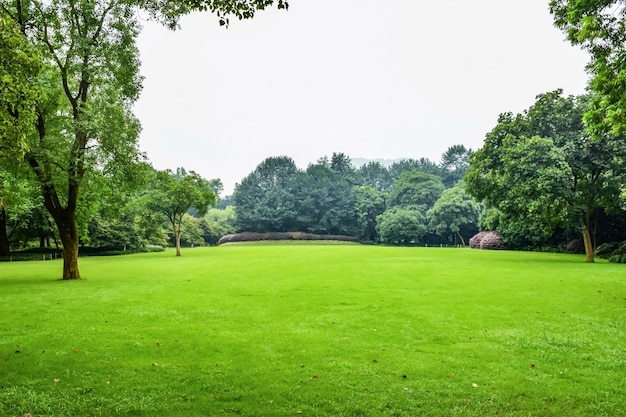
pixel 542 168
pixel 84 122
pixel 402 225
pixel 423 164
pixel 174 194
pixel 376 175
pixel 598 26
pixel 369 203
pixel 455 212
pixel 265 199
pixel 454 163
pixel 415 188
pixel 325 203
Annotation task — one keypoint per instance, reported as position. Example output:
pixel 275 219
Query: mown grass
pixel 317 330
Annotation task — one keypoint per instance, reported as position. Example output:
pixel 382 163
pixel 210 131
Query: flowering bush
pixel 474 241
pixel 487 240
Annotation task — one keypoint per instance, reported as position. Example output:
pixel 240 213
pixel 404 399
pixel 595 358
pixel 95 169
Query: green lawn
pixel 315 330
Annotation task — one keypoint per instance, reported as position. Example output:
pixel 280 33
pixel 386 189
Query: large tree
pixel 89 72
pixel 541 167
pixel 265 199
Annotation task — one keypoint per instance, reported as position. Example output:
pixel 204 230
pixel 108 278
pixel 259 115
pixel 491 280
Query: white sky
pixel 369 78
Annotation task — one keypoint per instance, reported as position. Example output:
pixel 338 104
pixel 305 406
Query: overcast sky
pixel 369 78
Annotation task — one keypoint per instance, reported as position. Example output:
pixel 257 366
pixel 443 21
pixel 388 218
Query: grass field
pixel 315 330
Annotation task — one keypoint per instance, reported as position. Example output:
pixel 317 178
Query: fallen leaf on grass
pixel 56 380
pixel 475 385
pixel 315 377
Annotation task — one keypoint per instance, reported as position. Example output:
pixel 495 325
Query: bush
pixel 576 246
pixel 474 241
pixel 605 250
pixel 618 259
pixel 492 241
pixel 255 237
pixel 487 240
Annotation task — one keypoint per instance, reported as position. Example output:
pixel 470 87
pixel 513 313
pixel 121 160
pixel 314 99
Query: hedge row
pixel 253 237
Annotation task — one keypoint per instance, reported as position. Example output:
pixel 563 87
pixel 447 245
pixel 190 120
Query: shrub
pixel 576 246
pixel 605 250
pixel 474 241
pixel 253 237
pixel 487 240
pixel 492 241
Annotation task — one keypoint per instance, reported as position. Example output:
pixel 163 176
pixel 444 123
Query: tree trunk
pixel 177 238
pixel 5 248
pixel 69 239
pixel 589 249
pixel 461 237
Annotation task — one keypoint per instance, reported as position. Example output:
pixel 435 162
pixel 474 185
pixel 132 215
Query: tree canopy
pixel 174 194
pixel 599 27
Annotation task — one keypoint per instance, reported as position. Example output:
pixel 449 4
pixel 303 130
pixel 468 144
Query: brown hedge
pixel 254 237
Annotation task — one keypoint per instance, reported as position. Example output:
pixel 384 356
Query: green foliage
pixel 454 213
pixel 20 65
pixel 169 11
pixel 543 172
pixel 368 204
pixel 217 223
pixel 598 27
pixel 414 188
pixel 264 200
pixel 402 225
pixel 454 163
pixel 174 194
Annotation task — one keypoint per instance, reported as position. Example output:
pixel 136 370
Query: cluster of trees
pixel 411 201
pixel 69 75
pixel 542 176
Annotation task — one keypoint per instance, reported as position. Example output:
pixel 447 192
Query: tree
pixel 84 122
pixel 455 212
pixel 415 188
pixel 265 199
pixel 542 168
pixel 369 203
pixel 454 163
pixel 423 164
pixel 402 225
pixel 325 202
pixel 376 175
pixel 174 194
pixel 598 26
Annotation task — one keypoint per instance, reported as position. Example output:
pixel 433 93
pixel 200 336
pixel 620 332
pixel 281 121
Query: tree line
pixel 411 201
pixel 70 167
